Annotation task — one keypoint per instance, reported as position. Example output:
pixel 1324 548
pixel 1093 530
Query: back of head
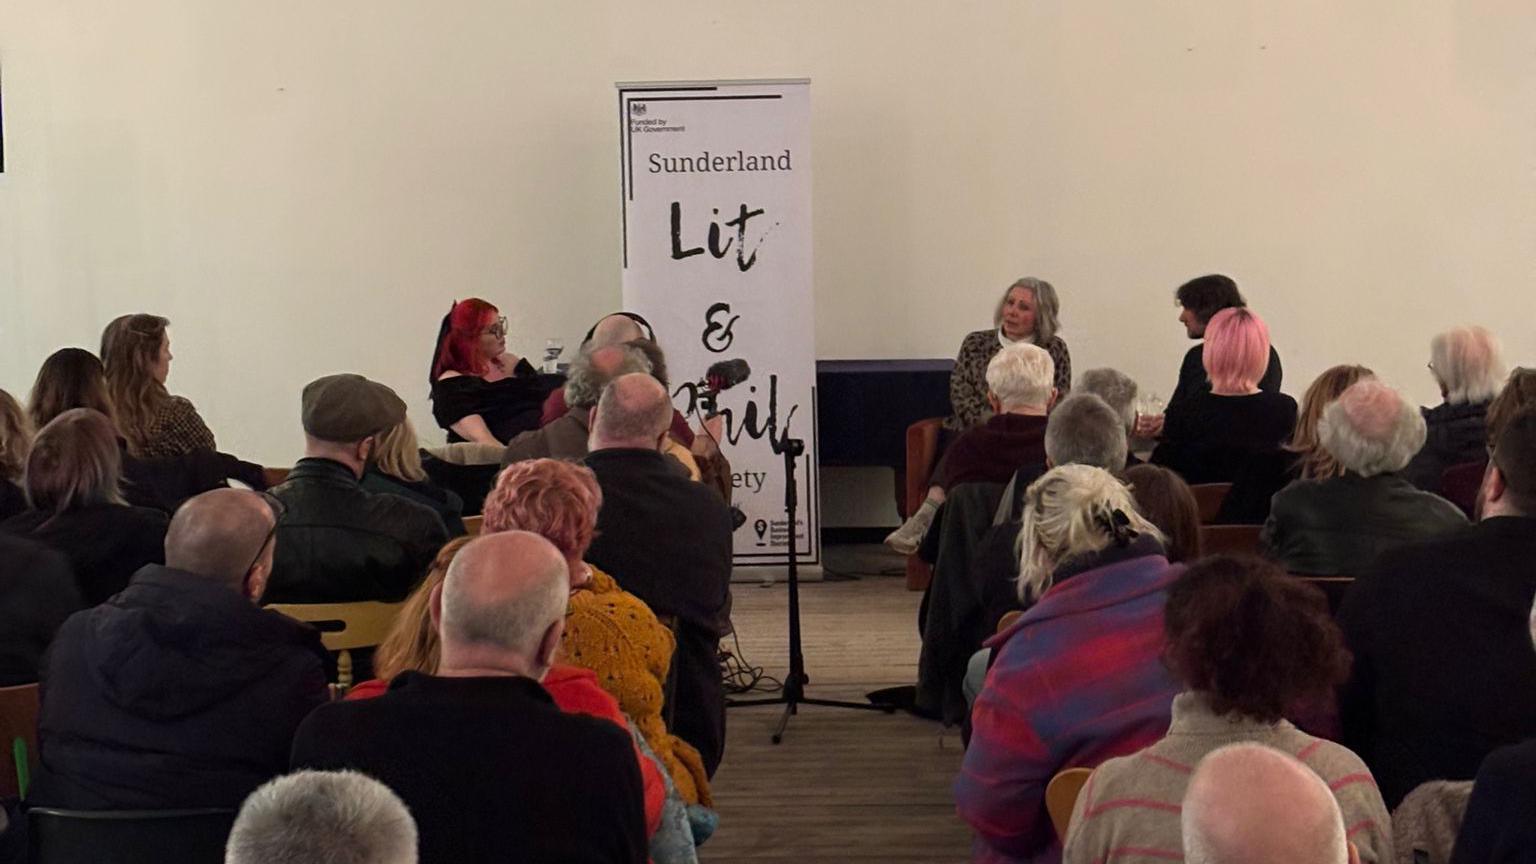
pixel 347 408
pixel 75 462
pixel 1166 500
pixel 412 644
pixel 1251 638
pixel 323 817
pixel 555 499
pixel 1073 510
pixel 1022 375
pixel 398 452
pixel 634 411
pixel 1518 393
pixel 1468 364
pixel 1371 429
pixel 617 328
pixel 1207 295
pixel 593 369
pixel 501 596
pixel 1116 388
pixel 15 438
pixel 655 356
pixel 219 534
pixel 1316 462
pixel 1514 454
pixel 1250 804
pixel 1084 430
pixel 1236 352
pixel 69 378
pixel 130 351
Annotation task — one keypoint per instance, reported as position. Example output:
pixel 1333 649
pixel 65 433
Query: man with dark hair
pixel 1444 671
pixel 1199 299
pixel 180 692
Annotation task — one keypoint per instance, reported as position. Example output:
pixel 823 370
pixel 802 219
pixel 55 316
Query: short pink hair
pixel 550 497
pixel 1236 349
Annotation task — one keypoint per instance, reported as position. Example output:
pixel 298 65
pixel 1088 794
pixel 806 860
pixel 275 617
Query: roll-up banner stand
pixel 716 203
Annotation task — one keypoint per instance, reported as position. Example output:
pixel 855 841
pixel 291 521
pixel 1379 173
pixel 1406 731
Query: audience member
pixel 70 378
pixel 1467 366
pixel 1443 669
pixel 1199 300
pixel 1084 430
pixel 667 540
pixel 136 352
pixel 1019 394
pixel 488 765
pixel 73 484
pixel 566 436
pixel 37 592
pixel 1251 804
pixel 480 390
pixel 1027 312
pixel 15 444
pixel 1339 525
pixel 180 692
pixel 1518 393
pixel 1098 569
pixel 1166 500
pixel 340 542
pixel 1249 644
pixel 323 817
pixel 618 328
pixel 1117 389
pixel 396 469
pixel 1211 435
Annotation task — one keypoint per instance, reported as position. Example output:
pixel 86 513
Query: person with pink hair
pixel 1210 437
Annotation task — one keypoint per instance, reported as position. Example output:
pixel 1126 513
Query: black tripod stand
pixel 793 695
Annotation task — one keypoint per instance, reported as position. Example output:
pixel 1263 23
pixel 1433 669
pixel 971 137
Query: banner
pixel 716 203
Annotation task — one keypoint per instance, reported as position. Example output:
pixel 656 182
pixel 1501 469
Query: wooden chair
pixel 1008 618
pixel 128 836
pixel 1061 796
pixel 474 525
pixel 922 454
pixel 1208 498
pixel 1230 539
pixel 274 476
pixel 1333 587
pixel 18 736
pixel 344 628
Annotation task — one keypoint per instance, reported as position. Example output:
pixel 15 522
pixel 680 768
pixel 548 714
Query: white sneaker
pixel 910 535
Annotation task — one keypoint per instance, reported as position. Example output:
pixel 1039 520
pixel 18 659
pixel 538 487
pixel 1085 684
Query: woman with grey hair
pixel 1117 389
pixel 1027 312
pixel 1469 368
pixel 1337 525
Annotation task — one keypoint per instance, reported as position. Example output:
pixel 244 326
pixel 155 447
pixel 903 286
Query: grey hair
pixel 1468 363
pixel 515 623
pixel 1371 429
pixel 631 417
pixel 1084 430
pixel 1047 308
pixel 1021 375
pixel 1117 389
pixel 1245 771
pixel 584 384
pixel 1065 514
pixel 323 817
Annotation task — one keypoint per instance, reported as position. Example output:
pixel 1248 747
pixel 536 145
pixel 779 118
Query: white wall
pixel 304 187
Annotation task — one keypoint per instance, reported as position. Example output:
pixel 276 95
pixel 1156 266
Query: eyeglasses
pixel 499 329
pixel 278 511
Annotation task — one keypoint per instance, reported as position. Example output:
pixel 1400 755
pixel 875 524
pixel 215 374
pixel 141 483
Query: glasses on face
pixel 498 329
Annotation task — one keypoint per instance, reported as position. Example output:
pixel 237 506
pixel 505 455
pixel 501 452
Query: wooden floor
pixel 844 785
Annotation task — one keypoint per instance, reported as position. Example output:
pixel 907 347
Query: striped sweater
pixel 1129 811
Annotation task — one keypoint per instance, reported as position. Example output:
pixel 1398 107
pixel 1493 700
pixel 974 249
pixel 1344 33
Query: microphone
pixel 725 375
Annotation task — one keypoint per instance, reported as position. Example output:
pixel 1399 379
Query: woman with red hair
pixel 480 391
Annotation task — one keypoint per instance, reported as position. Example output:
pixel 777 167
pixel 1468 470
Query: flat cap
pixel 349 407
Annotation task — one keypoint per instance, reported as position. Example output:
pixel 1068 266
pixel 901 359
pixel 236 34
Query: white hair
pixel 1084 430
pixel 322 817
pixel 1117 389
pixel 1070 512
pixel 1021 375
pixel 516 622
pixel 1468 363
pixel 1251 804
pixel 1371 429
pixel 584 384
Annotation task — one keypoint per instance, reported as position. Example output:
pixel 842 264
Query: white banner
pixel 716 183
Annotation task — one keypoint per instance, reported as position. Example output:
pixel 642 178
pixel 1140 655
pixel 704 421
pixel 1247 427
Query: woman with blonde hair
pixel 15 443
pixel 1097 574
pixel 396 469
pixel 136 351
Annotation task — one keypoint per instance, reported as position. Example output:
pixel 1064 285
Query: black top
pixel 508 406
pixel 12 500
pixel 104 543
pixel 37 592
pixel 1209 438
pixel 1341 525
pixel 490 768
pixel 1444 671
pixel 178 692
pixel 667 540
pixel 163 482
pixel 1193 381
pixel 1453 435
pixel 448 504
pixel 1500 823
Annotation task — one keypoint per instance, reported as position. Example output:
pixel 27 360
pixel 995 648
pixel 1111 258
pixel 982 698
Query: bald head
pixel 634 411
pixel 615 329
pixel 218 534
pixel 1252 804
pixel 503 598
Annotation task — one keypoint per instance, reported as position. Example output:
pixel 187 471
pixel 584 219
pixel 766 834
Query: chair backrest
pixel 345 627
pixel 1230 539
pixel 128 836
pixel 1061 796
pixel 1208 498
pixel 274 476
pixel 18 724
pixel 473 525
pixel 1459 484
pixel 1333 587
pixel 1008 618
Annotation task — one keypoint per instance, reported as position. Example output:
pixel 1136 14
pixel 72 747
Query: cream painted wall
pixel 304 187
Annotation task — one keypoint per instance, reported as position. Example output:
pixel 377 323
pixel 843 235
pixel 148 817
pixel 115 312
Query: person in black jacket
pixel 179 692
pixel 340 542
pixel 1444 671
pixel 667 540
pixel 1467 366
pixel 37 592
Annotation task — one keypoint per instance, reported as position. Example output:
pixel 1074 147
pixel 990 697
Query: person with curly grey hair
pixel 1338 525
pixel 566 438
pixel 323 817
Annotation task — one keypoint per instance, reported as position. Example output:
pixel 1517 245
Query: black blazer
pixel 105 543
pixel 37 592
